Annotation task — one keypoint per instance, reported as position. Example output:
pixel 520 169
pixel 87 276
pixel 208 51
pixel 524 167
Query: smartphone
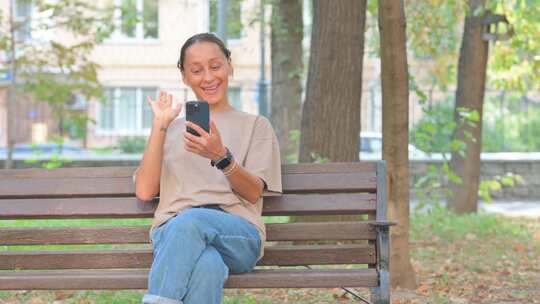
pixel 198 113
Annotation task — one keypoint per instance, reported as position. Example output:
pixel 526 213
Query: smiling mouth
pixel 211 90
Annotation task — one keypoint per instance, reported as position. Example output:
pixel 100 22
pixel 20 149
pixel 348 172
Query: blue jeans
pixel 195 251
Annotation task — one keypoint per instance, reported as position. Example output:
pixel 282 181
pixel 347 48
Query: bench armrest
pixel 378 224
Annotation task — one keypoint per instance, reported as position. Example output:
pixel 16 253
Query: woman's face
pixel 206 71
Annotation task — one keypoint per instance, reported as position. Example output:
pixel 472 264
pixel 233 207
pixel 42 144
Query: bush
pixel 132 144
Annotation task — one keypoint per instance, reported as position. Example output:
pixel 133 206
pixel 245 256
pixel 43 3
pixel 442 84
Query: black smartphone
pixel 198 113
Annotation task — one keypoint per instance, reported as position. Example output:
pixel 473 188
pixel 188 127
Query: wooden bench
pixel 108 192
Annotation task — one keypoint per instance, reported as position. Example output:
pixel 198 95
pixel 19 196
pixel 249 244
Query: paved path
pixel 514 208
pixel 508 208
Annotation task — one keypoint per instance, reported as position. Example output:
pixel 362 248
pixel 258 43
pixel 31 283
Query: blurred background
pixel 75 74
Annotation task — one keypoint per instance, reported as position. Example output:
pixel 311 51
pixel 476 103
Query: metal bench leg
pixel 381 294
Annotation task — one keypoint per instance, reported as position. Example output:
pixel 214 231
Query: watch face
pixel 225 162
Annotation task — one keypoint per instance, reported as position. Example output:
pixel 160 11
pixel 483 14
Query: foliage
pixel 511 123
pixel 434 134
pixel 132 144
pixel 294 142
pixel 234 18
pixel 433 34
pixel 434 28
pixel 56 160
pixel 433 131
pixel 488 186
pixel 515 64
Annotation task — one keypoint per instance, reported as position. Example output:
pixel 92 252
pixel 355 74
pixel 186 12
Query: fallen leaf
pixel 422 289
pixel 519 247
pixel 35 300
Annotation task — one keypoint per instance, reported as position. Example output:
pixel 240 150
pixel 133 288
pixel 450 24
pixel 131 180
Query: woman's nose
pixel 208 76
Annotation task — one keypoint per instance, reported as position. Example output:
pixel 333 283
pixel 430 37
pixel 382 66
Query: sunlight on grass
pixel 450 226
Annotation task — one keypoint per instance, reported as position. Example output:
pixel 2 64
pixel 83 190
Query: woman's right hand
pixel 162 108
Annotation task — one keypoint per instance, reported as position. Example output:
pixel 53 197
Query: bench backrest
pixel 108 192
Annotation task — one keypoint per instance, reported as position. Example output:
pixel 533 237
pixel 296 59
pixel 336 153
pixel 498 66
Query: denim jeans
pixel 195 251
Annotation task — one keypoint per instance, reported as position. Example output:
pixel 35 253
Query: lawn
pixel 479 258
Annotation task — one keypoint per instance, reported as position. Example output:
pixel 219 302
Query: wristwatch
pixel 223 162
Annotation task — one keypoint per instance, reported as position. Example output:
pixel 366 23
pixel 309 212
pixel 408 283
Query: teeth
pixel 211 88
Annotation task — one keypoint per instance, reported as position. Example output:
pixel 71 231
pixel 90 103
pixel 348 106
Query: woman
pixel 208 222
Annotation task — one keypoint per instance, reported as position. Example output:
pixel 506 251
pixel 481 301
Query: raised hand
pixel 162 108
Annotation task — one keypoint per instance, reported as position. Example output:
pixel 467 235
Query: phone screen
pixel 198 113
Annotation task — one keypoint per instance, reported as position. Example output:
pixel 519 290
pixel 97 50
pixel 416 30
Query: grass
pixel 476 258
pixel 450 226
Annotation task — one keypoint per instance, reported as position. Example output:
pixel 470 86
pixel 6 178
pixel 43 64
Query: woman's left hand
pixel 206 145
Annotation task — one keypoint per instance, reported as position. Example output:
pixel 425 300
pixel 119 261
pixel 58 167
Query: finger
pixel 197 128
pixel 178 109
pixel 169 99
pixel 161 97
pixel 193 146
pixel 213 128
pixel 191 150
pixel 193 139
pixel 151 103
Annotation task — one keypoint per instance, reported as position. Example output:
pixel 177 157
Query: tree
pixel 471 85
pixel 55 65
pixel 395 107
pixel 331 111
pixel 433 35
pixel 287 67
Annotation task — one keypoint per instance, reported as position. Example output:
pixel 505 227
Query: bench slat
pixel 117 182
pixel 127 171
pixel 320 204
pixel 137 279
pixel 142 258
pixel 124 187
pixel 139 234
pixel 118 207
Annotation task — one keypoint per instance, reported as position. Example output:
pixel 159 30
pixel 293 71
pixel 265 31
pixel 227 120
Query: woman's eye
pixel 196 71
pixel 216 67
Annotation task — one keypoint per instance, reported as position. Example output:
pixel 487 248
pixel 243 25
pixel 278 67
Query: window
pixel 23 14
pixel 136 19
pixel 124 111
pixel 235 98
pixel 234 18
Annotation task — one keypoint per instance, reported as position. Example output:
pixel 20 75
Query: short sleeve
pixel 263 155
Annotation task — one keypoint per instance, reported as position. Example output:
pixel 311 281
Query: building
pixel 139 60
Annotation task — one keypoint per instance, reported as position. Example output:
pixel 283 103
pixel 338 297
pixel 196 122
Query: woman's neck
pixel 221 106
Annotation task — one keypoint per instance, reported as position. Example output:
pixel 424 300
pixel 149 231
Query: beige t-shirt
pixel 187 179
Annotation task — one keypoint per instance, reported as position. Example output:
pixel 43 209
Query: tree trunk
pixel 331 111
pixel 287 65
pixel 473 57
pixel 395 107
